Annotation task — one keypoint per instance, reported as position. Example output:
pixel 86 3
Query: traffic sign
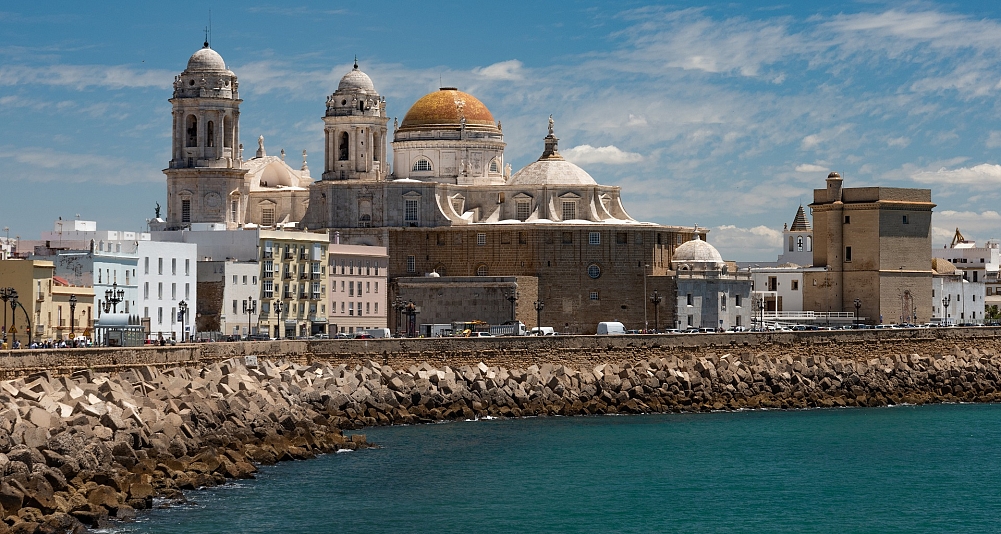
pixel 12 331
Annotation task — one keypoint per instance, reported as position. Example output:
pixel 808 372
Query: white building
pixel 955 299
pixel 168 277
pixel 978 264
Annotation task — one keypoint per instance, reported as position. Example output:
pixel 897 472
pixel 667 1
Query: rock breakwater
pixel 80 449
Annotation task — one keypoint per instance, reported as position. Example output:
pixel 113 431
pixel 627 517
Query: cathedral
pixel 448 204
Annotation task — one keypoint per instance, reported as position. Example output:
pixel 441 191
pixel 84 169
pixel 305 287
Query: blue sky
pixel 721 115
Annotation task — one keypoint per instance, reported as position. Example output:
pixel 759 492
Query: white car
pixel 480 334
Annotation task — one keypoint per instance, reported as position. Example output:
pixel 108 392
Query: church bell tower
pixel 354 130
pixel 205 175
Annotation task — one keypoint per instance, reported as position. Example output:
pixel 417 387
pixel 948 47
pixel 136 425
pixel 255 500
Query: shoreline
pixel 83 449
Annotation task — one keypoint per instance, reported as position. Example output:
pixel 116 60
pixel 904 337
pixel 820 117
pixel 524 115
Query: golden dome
pixel 445 108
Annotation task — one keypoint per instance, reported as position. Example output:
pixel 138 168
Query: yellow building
pixel 44 299
pixel 293 283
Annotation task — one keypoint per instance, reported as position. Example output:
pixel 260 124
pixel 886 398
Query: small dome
pixel 698 252
pixel 833 175
pixel 446 108
pixel 356 80
pixel 942 266
pixel 206 59
pixel 552 172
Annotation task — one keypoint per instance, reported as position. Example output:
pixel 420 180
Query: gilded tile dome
pixel 446 108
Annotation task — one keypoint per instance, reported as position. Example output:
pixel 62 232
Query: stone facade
pixel 876 245
pixel 448 299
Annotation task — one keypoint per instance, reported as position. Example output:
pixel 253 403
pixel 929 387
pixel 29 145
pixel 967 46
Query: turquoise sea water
pixel 902 469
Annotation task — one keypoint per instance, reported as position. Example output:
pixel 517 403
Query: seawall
pixel 506 351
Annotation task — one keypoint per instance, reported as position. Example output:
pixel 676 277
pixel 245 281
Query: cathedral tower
pixel 354 130
pixel 206 156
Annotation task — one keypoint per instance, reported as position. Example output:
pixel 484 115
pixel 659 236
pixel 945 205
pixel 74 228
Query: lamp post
pixel 250 308
pixel 656 299
pixel 646 322
pixel 5 294
pixel 858 304
pixel 278 312
pixel 182 308
pixel 72 315
pixel 539 304
pixel 112 298
pixel 398 305
pixel 410 310
pixel 945 302
pixel 12 296
pixel 512 297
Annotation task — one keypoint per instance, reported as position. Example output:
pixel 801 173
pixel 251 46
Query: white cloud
pixel 975 226
pixel 504 70
pixel 83 76
pixel 993 139
pixel 612 155
pixel 809 167
pixel 46 165
pixel 746 244
pixel 900 142
pixel 984 174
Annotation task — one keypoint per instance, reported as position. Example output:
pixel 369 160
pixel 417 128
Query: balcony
pixel 303 296
pixel 267 275
pixel 314 296
pixel 287 276
pixel 303 276
pixel 268 254
pixel 315 276
pixel 41 296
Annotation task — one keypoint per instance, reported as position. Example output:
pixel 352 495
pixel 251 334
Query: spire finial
pixel 206 44
pixel 356 61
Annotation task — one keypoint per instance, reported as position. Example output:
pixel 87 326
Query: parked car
pixel 364 335
pixel 481 334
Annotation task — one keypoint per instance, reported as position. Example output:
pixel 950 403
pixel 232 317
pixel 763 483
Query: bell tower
pixel 205 169
pixel 354 130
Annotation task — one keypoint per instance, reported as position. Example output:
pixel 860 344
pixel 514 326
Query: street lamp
pixel 539 304
pixel 278 312
pixel 945 302
pixel 72 315
pixel 858 304
pixel 250 308
pixel 656 299
pixel 112 298
pixel 182 308
pixel 6 294
pixel 646 322
pixel 512 297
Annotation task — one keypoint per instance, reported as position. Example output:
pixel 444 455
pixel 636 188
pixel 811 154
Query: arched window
pixel 191 131
pixel 481 270
pixel 494 166
pixel 209 133
pixel 809 243
pixel 790 243
pixel 343 149
pixel 422 164
pixel 799 244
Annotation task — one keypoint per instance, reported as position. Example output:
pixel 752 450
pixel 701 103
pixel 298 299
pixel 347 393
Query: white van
pixel 542 331
pixel 608 328
pixel 379 332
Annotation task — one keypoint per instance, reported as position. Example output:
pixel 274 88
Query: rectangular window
pixel 377 287
pixel 367 308
pixel 848 253
pixel 232 211
pixel 594 295
pixel 187 291
pixel 173 315
pixel 722 302
pixel 621 238
pixel 160 265
pixel 736 300
pixel 848 219
pixel 790 243
pixel 351 289
pixel 481 239
pixel 411 264
pixel 594 238
pixel 173 291
pixel 268 217
pixel 690 300
pixel 173 266
pixel 351 308
pixel 253 280
pixel 342 307
pixel 569 210
pixel 359 309
pixel 187 267
pixel 524 210
pixel 905 220
pixel 268 288
pixel 738 320
pixel 234 279
pixel 567 238
pixel 377 308
pixel 185 213
pixel 146 311
pixel 146 290
pixel 234 306
pixel 159 315
pixel 795 285
pixel 411 213
pixel 159 290
pixel 146 263
pixel 690 323
pixel 244 279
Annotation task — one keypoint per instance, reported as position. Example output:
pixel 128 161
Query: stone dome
pixel 698 254
pixel 206 59
pixel 356 80
pixel 446 108
pixel 552 172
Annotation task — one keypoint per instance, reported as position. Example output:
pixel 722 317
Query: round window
pixel 593 270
